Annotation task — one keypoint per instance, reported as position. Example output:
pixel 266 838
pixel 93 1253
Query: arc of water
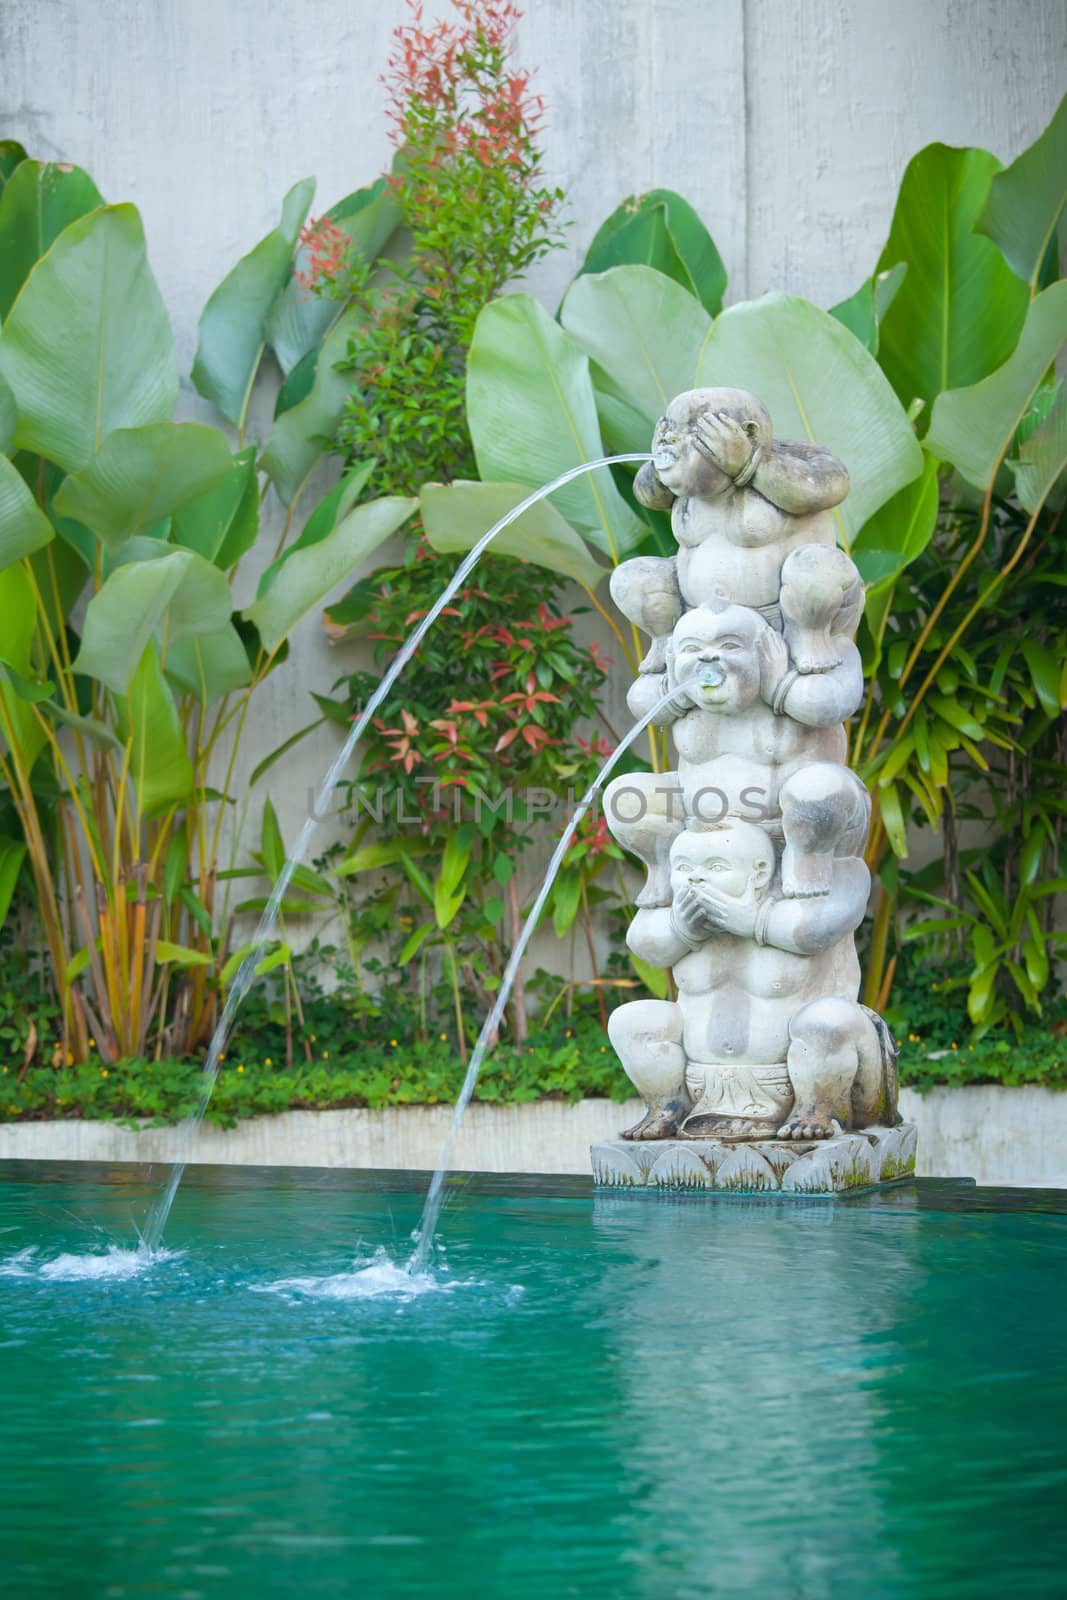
pixel 245 975
pixel 432 1206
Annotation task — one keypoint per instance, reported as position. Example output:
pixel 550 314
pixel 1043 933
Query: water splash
pixel 379 1278
pixel 245 975
pixel 114 1265
pixel 432 1209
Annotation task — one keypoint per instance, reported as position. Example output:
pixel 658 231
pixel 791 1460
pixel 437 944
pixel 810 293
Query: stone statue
pixel 753 844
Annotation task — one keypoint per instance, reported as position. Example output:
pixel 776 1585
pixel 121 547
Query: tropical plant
pixel 126 673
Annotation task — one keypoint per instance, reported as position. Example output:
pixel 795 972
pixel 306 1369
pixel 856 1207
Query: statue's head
pixel 719 655
pixel 733 857
pixel 681 465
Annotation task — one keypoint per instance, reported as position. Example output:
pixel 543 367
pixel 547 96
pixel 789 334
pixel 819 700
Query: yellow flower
pixel 103 1072
pixel 241 1068
pixel 567 1033
pixel 267 1062
pixel 326 1055
pixel 603 1049
pixel 313 1039
pixel 70 1059
pixel 393 1043
pixel 955 1046
pixel 934 986
pixel 92 1044
pixel 444 1036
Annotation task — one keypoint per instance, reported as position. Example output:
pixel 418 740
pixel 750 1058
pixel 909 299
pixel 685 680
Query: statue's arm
pixel 653 937
pixel 650 491
pixel 808 927
pixel 823 699
pixel 800 479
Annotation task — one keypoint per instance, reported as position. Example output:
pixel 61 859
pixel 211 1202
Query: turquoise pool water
pixel 602 1395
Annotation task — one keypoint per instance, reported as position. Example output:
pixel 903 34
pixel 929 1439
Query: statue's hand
pixel 723 441
pixel 690 917
pixel 728 913
pixel 775 663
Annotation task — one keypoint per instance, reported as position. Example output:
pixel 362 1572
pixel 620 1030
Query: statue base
pixel 865 1159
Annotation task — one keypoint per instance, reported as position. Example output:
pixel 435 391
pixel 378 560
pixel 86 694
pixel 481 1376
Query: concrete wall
pixel 1010 1137
pixel 787 125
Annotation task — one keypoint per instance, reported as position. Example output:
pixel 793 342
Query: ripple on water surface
pixel 114 1264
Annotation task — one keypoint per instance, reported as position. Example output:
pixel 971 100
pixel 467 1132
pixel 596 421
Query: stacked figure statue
pixel 754 843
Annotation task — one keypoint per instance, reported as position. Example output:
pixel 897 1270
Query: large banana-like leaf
pixel 178 596
pixel 12 852
pixel 141 475
pixel 40 200
pixel 12 155
pixel 87 347
pixel 644 332
pixel 532 415
pixel 863 311
pixel 301 434
pixel 24 527
pixel 1026 201
pixel 456 515
pixel 18 624
pixel 306 576
pixel 1042 464
pixel 300 319
pixel 960 307
pixel 819 384
pixel 224 523
pixel 161 772
pixel 8 417
pixel 661 230
pixel 233 326
pixel 209 666
pixel 973 427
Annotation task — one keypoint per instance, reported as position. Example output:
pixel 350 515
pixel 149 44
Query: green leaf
pixel 532 416
pixel 819 384
pixel 299 319
pixel 209 666
pixel 223 524
pixel 233 326
pixel 176 597
pixel 386 854
pixel 18 627
pixel 24 527
pixel 90 728
pixel 271 845
pixel 644 333
pixel 1041 470
pixel 327 515
pixel 39 200
pixel 12 852
pixel 8 418
pixel 863 311
pixel 303 433
pixel 655 979
pixel 176 864
pixel 27 689
pixel 973 428
pixel 661 230
pixel 566 898
pixel 287 744
pixel 456 515
pixel 161 772
pixel 141 475
pixel 897 533
pixel 305 577
pixel 1045 672
pixel 181 955
pixel 959 310
pixel 980 995
pixel 893 818
pixel 277 958
pixel 414 944
pixel 1026 200
pixel 12 155
pixel 87 347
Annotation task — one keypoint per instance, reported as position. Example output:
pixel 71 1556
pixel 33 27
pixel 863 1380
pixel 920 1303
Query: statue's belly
pixel 719 569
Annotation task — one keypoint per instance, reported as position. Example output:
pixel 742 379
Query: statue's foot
pixel 810 1125
pixel 660 1123
pixel 805 876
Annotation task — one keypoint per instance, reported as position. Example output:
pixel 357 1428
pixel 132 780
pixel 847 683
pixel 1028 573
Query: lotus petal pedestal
pixel 855 1161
